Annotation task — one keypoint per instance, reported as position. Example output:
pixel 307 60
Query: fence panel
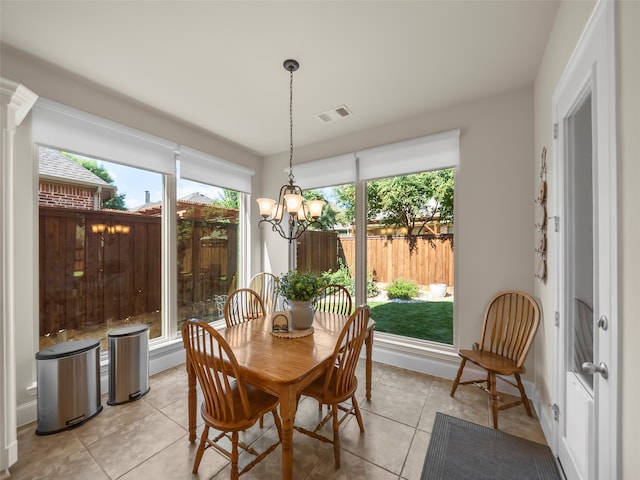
pixel 89 279
pixel 317 251
pixel 431 261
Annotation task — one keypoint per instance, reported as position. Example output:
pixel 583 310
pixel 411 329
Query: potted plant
pixel 300 289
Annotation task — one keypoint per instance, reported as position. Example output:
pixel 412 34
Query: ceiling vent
pixel 334 114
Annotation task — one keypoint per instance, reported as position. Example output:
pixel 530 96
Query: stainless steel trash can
pixel 128 363
pixel 68 385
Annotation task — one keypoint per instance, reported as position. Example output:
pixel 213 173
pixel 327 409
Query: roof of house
pixel 188 202
pixel 196 197
pixel 55 166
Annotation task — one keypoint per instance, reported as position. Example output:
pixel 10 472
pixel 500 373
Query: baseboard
pixel 27 413
pixel 547 423
pixel 439 367
pixel 443 364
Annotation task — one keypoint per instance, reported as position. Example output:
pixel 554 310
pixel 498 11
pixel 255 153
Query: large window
pixel 410 255
pixel 124 239
pixel 333 236
pixel 398 202
pixel 100 258
pixel 409 244
pixel 207 249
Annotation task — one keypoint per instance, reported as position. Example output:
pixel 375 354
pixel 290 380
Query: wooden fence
pixel 388 257
pixel 90 279
pixel 318 251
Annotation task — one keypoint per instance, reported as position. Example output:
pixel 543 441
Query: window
pixel 207 248
pixel 111 222
pixel 396 233
pixel 410 255
pixel 100 259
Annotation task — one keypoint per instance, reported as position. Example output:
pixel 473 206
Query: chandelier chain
pixel 290 215
pixel 291 125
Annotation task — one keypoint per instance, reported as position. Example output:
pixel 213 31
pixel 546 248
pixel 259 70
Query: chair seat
pixel 260 403
pixel 316 390
pixel 492 361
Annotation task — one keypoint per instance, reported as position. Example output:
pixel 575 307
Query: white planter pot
pixel 301 314
pixel 438 289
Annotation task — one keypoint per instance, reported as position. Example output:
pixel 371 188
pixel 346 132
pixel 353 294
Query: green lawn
pixel 423 320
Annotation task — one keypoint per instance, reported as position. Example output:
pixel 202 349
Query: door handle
pixel 603 323
pixel 591 369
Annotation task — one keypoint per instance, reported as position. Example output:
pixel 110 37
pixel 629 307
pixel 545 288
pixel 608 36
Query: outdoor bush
pixel 402 289
pixel 342 277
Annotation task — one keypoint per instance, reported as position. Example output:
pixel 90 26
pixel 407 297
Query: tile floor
pixel 148 438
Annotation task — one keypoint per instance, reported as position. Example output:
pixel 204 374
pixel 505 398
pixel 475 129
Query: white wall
pixel 494 195
pixel 629 198
pixel 570 21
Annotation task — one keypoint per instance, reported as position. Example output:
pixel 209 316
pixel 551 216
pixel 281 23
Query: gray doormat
pixel 463 450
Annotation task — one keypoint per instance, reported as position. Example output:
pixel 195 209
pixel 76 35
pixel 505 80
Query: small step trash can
pixel 128 363
pixel 68 385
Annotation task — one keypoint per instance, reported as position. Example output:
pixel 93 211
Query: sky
pixel 133 182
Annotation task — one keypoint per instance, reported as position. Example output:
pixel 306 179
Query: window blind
pixel 64 128
pixel 432 152
pixel 327 172
pixel 422 154
pixel 205 168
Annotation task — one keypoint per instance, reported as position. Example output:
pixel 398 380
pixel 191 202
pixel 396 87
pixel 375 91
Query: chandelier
pixel 291 214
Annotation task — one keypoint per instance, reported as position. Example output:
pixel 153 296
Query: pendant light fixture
pixel 291 214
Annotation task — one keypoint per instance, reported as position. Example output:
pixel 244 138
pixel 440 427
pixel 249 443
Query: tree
pixel 228 199
pixel 409 201
pixel 346 200
pixel 415 201
pixel 99 170
pixel 327 219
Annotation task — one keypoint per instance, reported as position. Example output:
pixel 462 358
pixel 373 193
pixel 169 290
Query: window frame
pixel 428 153
pixel 65 128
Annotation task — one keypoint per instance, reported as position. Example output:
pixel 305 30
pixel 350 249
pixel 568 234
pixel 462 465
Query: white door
pixel 586 271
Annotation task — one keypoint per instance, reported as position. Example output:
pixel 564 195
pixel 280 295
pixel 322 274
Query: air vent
pixel 334 114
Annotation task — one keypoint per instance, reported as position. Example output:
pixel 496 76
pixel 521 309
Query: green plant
pixel 372 287
pixel 402 289
pixel 343 277
pixel 298 286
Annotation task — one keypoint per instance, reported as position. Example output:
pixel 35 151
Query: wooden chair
pixel 266 285
pixel 243 305
pixel 229 405
pixel 510 324
pixel 334 298
pixel 339 383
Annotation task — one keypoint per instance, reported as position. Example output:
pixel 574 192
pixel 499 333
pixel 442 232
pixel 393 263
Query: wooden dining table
pixel 283 367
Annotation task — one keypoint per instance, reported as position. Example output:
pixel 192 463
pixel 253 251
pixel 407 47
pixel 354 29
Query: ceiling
pixel 218 65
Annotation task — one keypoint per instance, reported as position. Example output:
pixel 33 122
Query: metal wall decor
pixel 541 221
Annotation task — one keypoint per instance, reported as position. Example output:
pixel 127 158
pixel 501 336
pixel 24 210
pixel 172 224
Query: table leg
pixel 369 362
pixel 288 406
pixel 192 400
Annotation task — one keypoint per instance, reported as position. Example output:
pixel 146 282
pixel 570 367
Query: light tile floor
pixel 148 438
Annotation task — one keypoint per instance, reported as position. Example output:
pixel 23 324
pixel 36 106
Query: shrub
pixel 343 277
pixel 340 276
pixel 402 289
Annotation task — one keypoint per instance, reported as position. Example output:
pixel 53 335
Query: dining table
pixel 283 366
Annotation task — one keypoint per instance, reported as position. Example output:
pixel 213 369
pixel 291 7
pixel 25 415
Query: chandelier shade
pixel 290 215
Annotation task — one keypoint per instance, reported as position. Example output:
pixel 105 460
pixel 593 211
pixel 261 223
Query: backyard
pixel 423 320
